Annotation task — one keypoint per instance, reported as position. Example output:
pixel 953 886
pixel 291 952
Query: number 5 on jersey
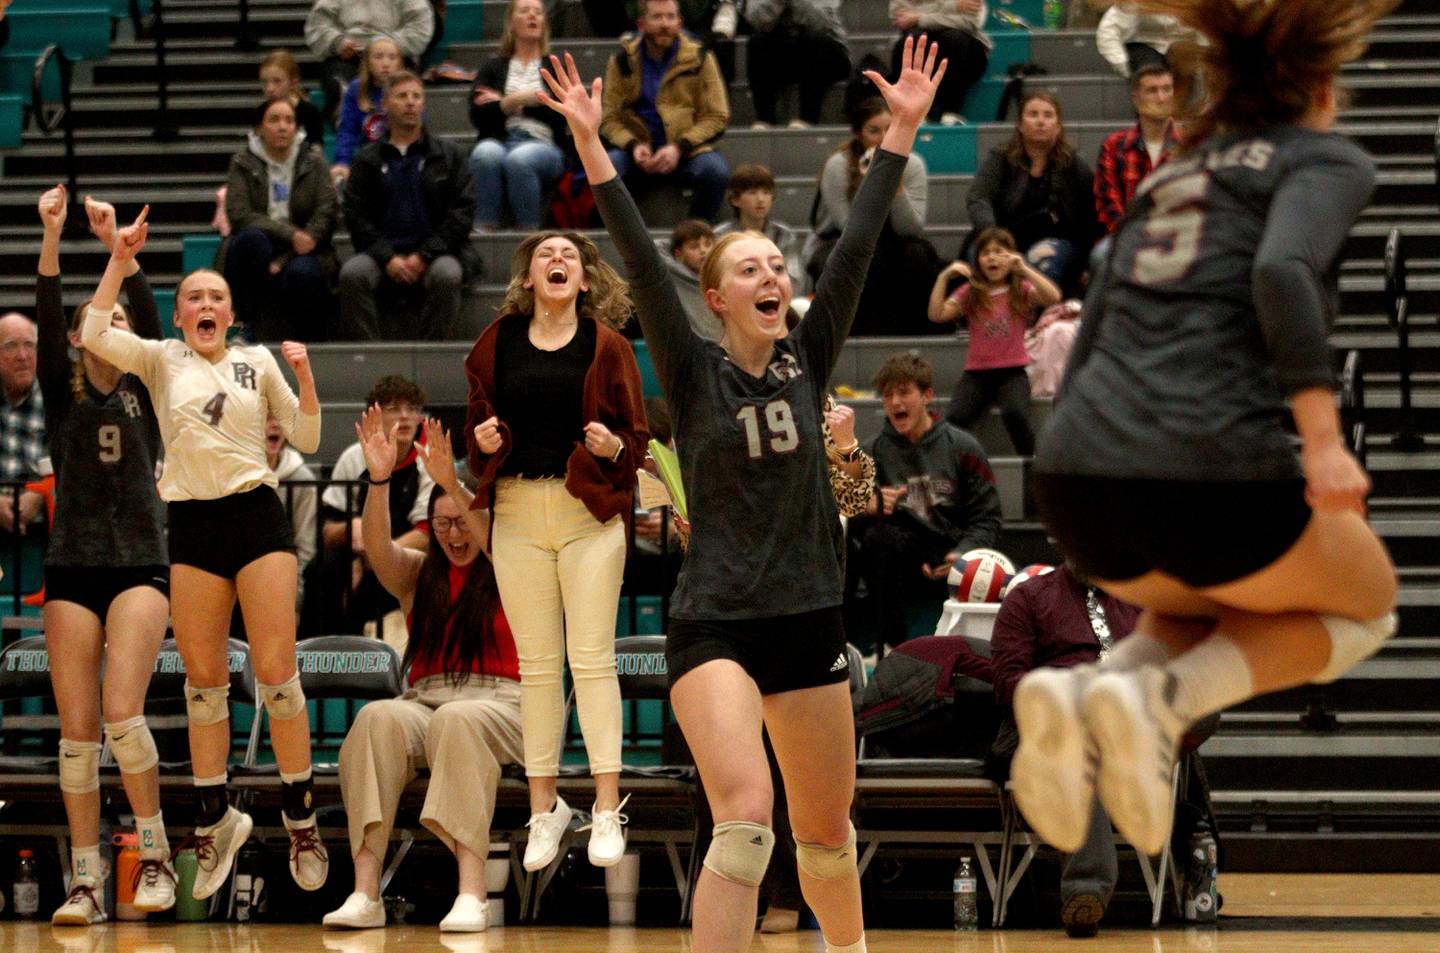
pixel 783 436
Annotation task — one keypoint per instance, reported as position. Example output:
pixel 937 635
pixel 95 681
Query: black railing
pixel 166 130
pixel 48 118
pixel 1397 299
pixel 1437 162
pixel 1352 404
pixel 246 38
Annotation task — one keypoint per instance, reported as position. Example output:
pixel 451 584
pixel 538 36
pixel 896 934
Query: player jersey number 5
pixel 1172 229
pixel 779 423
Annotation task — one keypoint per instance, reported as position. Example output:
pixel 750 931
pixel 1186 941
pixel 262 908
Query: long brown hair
pixel 507 33
pixel 976 299
pixel 607 301
pixel 366 94
pixel 853 148
pixel 1264 61
pixel 77 367
pixel 282 59
pixel 1062 153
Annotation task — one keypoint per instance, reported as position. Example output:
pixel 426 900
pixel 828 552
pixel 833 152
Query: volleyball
pixel 994 554
pixel 978 580
pixel 1025 575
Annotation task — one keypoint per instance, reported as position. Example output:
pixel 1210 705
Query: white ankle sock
pixel 85 862
pixel 153 843
pixel 1209 678
pixel 857 947
pixel 1135 650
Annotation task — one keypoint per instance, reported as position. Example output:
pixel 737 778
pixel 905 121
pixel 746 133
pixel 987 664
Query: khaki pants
pixel 559 573
pixel 463 735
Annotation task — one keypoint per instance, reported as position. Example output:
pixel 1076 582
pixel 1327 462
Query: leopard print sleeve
pixel 852 494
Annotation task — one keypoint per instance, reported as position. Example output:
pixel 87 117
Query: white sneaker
pixel 468 915
pixel 154 884
pixel 1052 773
pixel 724 22
pixel 952 119
pixel 358 912
pixel 81 907
pixel 215 850
pixel 309 861
pixel 1138 738
pixel 760 125
pixel 607 835
pixel 798 124
pixel 546 830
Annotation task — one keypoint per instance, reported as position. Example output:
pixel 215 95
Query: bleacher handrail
pixel 1352 403
pixel 43 122
pixel 154 28
pixel 1397 303
pixel 1397 277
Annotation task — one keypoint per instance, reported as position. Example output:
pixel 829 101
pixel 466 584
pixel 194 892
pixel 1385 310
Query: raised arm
pixel 121 348
pixel 395 566
pixel 942 308
pixel 144 314
pixel 53 360
pixel 437 456
pixel 298 417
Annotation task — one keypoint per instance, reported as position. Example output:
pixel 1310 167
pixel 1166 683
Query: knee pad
pixel 827 863
pixel 79 766
pixel 207 706
pixel 740 852
pixel 283 702
pixel 1353 642
pixel 133 745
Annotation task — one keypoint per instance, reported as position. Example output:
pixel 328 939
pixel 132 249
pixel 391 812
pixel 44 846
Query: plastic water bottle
pixel 1054 14
pixel 26 889
pixel 967 913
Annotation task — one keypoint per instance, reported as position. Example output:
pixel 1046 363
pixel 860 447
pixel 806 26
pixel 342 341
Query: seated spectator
pixel 1039 190
pixel 518 155
pixel 897 287
pixel 282 209
pixel 280 77
pixel 461 716
pixel 958 26
pixel 795 43
pixel 752 195
pixel 339 30
pixel 995 304
pixel 1128 156
pixel 936 500
pixel 665 108
pixel 688 245
pixel 22 424
pixel 352 595
pixel 362 121
pixel 409 204
pixel 300 502
pixel 1130 39
pixel 1061 621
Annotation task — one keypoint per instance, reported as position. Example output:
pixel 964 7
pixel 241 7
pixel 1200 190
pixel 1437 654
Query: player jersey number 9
pixel 109 438
pixel 1172 230
pixel 781 423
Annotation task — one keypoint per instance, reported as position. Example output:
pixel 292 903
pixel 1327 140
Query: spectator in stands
pixel 1128 156
pixel 280 77
pixel 752 195
pixel 518 155
pixel 689 243
pixel 282 209
pixel 1130 39
pixel 351 591
pixel 897 287
pixel 795 43
pixel 339 30
pixel 461 716
pixel 995 303
pixel 936 499
pixel 665 108
pixel 1038 189
pixel 409 205
pixel 290 467
pixel 362 120
pixel 22 423
pixel 958 26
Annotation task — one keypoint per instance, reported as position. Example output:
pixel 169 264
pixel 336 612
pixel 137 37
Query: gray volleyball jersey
pixel 104 449
pixel 765 534
pixel 1218 299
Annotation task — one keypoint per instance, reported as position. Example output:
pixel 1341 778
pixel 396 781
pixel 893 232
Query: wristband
pixel 378 482
pixel 618 453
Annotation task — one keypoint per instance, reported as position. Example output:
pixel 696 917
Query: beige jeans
pixel 463 735
pixel 559 572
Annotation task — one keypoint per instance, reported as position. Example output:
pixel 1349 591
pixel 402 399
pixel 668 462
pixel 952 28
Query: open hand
pixel 487 435
pixel 909 97
pixel 437 455
pixel 130 239
pixel 940 571
pixel 54 206
pixel 569 97
pixel 484 96
pixel 380 447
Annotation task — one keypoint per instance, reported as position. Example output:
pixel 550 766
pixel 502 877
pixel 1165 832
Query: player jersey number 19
pixel 781 423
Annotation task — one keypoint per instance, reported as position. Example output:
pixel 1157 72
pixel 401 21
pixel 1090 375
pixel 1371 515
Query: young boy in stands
pixel 689 244
pixel 751 195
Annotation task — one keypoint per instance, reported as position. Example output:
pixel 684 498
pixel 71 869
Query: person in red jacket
pixel 1128 156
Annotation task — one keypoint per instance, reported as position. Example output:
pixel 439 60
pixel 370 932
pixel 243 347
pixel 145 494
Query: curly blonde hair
pixel 607 301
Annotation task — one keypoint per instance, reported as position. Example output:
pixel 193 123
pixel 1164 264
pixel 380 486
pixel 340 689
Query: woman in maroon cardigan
pixel 556 427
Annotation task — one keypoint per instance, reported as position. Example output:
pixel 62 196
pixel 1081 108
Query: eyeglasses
pixel 10 347
pixel 443 524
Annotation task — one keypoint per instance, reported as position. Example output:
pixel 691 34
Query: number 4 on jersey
pixel 215 408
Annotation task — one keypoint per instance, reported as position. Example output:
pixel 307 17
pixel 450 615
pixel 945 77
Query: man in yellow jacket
pixel 665 108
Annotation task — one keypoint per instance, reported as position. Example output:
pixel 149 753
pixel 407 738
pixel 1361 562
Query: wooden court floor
pixel 1264 914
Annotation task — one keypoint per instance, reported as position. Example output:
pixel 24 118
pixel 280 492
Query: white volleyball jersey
pixel 211 414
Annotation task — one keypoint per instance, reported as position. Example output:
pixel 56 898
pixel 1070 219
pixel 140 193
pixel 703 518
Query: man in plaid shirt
pixel 22 420
pixel 1128 156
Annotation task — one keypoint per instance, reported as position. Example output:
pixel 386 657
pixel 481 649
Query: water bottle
pixel 26 889
pixel 1054 14
pixel 187 908
pixel 1201 871
pixel 127 859
pixel 967 913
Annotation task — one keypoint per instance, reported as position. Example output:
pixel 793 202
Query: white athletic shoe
pixel 154 884
pixel 725 20
pixel 215 850
pixel 81 907
pixel 468 915
pixel 309 861
pixel 546 830
pixel 1053 771
pixel 607 836
pixel 1138 739
pixel 358 912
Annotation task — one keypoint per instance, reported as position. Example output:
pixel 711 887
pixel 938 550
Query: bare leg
pixel 472 871
pixel 134 628
pixel 76 643
pixel 367 873
pixel 200 604
pixel 267 600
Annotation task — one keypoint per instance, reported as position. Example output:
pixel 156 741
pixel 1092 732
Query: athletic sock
pixel 85 863
pixel 296 796
pixel 1210 677
pixel 1135 650
pixel 214 800
pixel 153 843
pixel 857 947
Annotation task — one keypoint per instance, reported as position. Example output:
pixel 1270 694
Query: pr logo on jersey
pixel 786 369
pixel 130 403
pixel 244 375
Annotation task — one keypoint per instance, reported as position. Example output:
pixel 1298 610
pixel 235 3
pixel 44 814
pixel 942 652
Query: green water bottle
pixel 187 908
pixel 1054 14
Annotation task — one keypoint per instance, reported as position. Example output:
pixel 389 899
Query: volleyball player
pixel 1167 474
pixel 755 633
pixel 229 536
